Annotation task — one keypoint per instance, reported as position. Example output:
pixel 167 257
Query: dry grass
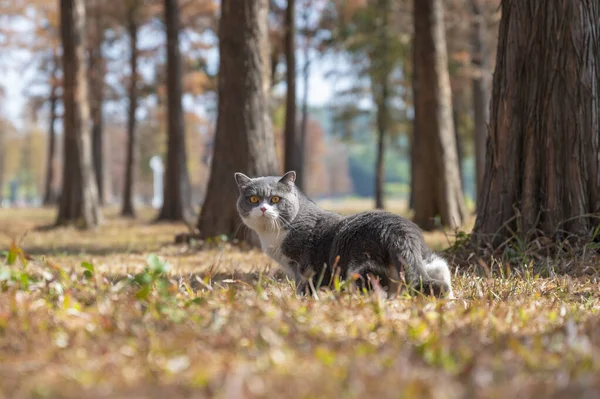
pixel 219 323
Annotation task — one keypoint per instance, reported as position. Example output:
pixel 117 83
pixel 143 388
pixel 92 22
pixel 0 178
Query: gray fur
pixel 304 238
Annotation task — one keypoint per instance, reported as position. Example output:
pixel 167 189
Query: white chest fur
pixel 271 245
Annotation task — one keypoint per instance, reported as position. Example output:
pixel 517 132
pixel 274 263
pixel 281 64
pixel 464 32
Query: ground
pixel 124 312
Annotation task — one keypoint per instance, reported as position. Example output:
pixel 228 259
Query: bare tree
pixel 79 195
pixel 49 192
pixel 292 145
pixel 244 139
pixel 177 195
pixel 307 34
pixel 437 186
pixel 129 181
pixel 542 170
pixel 481 92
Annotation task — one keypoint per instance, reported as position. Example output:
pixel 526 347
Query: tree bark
pixel 177 192
pixel 244 139
pixel 128 209
pixel 97 72
pixel 292 138
pixel 379 161
pixel 381 70
pixel 49 192
pixel 415 128
pixel 306 81
pixel 438 190
pixel 79 196
pixel 457 137
pixel 481 93
pixel 542 169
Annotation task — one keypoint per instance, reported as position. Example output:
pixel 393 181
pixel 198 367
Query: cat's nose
pixel 263 208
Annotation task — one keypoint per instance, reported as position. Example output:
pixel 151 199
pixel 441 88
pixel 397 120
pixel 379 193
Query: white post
pixel 157 169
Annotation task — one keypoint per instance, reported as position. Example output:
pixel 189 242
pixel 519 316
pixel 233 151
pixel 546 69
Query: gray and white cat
pixel 306 240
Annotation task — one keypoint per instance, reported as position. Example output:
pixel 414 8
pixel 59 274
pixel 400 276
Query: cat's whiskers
pixel 279 226
pixel 285 223
pixel 238 227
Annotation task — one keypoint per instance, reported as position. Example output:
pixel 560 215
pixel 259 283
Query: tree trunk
pixel 2 160
pixel 177 194
pixel 79 196
pixel 415 128
pixel 244 139
pixel 292 138
pixel 97 73
pixel 379 164
pixel 49 192
pixel 381 70
pixel 438 191
pixel 306 81
pixel 481 93
pixel 542 169
pixel 128 209
pixel 457 138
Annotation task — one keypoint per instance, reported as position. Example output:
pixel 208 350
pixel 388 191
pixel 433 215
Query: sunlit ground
pixel 84 318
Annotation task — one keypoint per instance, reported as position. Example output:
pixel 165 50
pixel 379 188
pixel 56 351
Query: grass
pixel 123 312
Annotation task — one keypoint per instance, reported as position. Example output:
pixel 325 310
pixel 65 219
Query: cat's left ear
pixel 241 179
pixel 288 178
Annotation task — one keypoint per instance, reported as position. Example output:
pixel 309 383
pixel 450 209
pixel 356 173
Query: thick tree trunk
pixel 128 209
pixel 244 139
pixel 177 195
pixel 481 93
pixel 542 169
pixel 79 196
pixel 49 192
pixel 438 191
pixel 96 73
pixel 293 148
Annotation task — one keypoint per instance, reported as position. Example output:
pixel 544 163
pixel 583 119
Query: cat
pixel 309 242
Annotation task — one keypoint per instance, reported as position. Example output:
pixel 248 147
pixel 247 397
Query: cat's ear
pixel 241 179
pixel 288 178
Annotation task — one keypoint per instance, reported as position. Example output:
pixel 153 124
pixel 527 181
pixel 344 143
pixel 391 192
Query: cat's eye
pixel 254 199
pixel 275 199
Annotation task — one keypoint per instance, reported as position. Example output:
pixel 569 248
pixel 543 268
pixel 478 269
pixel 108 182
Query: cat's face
pixel 267 204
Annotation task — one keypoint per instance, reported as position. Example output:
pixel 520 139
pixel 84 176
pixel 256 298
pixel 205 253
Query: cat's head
pixel 267 204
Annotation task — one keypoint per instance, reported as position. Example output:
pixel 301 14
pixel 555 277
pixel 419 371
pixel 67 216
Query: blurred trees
pixel 172 88
pixel 132 16
pixel 177 196
pixel 481 90
pixel 50 194
pixel 372 34
pixel 293 141
pixel 95 31
pixel 79 195
pixel 437 184
pixel 542 168
pixel 244 139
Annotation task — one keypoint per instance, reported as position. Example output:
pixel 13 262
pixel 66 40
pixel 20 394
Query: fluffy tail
pixel 437 268
pixel 425 272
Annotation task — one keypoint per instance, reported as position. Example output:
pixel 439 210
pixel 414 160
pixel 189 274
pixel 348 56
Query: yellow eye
pixel 254 199
pixel 274 200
